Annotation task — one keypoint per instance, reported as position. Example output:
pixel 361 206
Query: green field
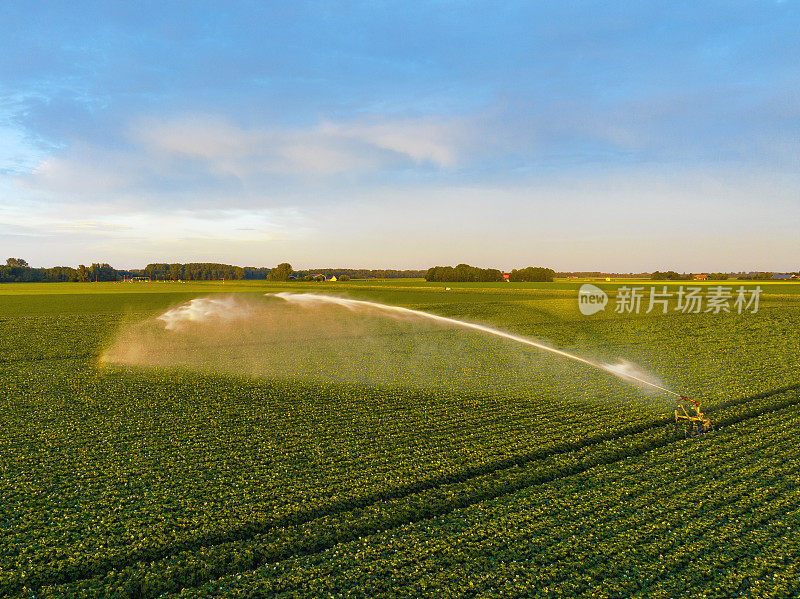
pixel 531 477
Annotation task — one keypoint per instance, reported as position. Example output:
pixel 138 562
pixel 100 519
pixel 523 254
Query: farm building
pixel 777 276
pixel 333 279
pixel 701 277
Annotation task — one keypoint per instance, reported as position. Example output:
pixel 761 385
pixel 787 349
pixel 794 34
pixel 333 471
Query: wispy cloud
pixel 84 169
pixel 326 148
pixel 240 226
pixel 214 156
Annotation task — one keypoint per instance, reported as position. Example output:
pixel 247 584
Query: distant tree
pixel 156 271
pixel 194 271
pixel 60 274
pixel 252 273
pixel 532 274
pixel 175 272
pixel 344 278
pixel 358 273
pixel 19 262
pixel 671 275
pixel 282 272
pixel 462 273
pixel 102 272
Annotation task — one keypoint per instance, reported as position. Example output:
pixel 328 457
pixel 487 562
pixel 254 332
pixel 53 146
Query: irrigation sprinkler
pixel 694 424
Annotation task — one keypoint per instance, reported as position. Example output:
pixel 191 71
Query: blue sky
pixel 577 135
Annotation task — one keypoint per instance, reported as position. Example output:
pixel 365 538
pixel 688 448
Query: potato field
pixel 495 472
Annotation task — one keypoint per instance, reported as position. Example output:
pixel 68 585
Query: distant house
pixel 777 276
pixel 505 276
pixel 701 277
pixel 333 279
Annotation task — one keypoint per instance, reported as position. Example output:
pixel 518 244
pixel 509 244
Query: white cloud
pixel 425 140
pixel 143 228
pixel 182 160
pixel 81 172
pixel 327 148
pixel 202 137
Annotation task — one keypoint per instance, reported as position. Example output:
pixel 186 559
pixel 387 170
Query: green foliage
pixel 759 276
pixel 361 273
pixel 532 274
pixel 671 275
pixel 17 270
pixel 463 273
pixel 143 483
pixel 102 272
pixel 343 278
pixel 205 271
pixel 253 273
pixel 282 272
pixel 18 273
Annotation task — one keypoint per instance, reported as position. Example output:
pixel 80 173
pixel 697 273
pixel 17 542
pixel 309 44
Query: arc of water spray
pixel 309 299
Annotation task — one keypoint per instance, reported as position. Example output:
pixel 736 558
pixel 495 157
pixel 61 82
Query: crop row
pixel 121 465
pixel 105 471
pixel 194 564
pixel 716 518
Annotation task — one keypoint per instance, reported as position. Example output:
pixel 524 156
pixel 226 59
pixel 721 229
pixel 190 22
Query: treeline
pixel 198 271
pixel 758 276
pixel 532 274
pixel 464 273
pixel 596 274
pixel 283 272
pixel 206 271
pixel 361 273
pixel 671 275
pixel 17 270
